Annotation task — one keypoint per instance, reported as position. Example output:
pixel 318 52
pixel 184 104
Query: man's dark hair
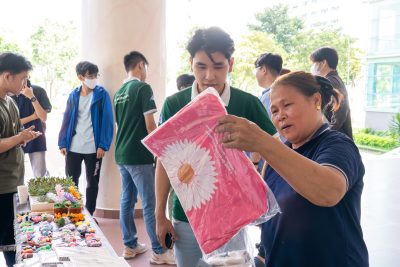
pixel 211 40
pixel 271 61
pixel 85 67
pixel 326 53
pixel 184 81
pixel 132 59
pixel 14 63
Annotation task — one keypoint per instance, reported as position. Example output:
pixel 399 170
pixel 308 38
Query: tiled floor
pixel 111 229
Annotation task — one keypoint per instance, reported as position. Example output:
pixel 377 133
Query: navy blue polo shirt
pixel 306 235
pixel 26 109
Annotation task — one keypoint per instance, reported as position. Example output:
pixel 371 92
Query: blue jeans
pixel 138 179
pixel 186 248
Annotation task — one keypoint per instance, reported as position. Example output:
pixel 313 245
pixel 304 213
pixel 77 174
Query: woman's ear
pixel 317 99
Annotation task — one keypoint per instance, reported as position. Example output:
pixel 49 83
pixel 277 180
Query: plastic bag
pixel 219 188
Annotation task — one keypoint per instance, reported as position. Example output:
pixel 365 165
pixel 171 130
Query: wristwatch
pixel 33 99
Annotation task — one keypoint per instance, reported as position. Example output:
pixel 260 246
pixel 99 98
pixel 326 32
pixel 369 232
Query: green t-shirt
pixel 241 104
pixel 132 102
pixel 11 161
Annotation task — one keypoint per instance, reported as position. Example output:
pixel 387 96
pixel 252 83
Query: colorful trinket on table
pixel 74 192
pixel 77 217
pixel 36 219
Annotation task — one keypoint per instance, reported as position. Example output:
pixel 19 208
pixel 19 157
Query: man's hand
pixel 164 226
pixel 28 135
pixel 63 151
pixel 27 91
pixel 100 153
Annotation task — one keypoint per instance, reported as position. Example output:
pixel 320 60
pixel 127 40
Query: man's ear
pixel 191 63
pixel 231 61
pixel 81 77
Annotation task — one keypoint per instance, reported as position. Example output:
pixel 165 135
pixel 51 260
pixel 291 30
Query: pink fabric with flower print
pixel 219 189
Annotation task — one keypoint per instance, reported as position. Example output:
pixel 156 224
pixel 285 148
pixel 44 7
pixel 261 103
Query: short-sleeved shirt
pixel 342 117
pixel 307 235
pixel 12 160
pixel 26 109
pixel 265 99
pixel 132 102
pixel 83 139
pixel 237 102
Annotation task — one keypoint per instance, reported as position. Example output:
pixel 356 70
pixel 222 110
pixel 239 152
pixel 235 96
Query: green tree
pixel 299 43
pixel 275 20
pixel 307 41
pixel 8 47
pixel 185 56
pixel 247 51
pixel 54 53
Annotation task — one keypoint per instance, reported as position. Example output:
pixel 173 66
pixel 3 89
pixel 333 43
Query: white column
pixel 111 29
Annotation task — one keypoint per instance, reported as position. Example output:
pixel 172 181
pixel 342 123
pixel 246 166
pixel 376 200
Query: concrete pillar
pixel 111 29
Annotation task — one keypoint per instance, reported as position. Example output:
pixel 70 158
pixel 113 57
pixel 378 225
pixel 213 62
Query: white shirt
pixel 83 140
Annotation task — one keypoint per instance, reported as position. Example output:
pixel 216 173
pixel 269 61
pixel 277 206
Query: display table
pixel 66 246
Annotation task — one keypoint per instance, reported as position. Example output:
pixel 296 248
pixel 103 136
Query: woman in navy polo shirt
pixel 316 177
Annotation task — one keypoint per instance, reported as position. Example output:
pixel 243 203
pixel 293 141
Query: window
pixel 384 87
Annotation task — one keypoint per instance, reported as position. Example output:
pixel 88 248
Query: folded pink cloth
pixel 219 188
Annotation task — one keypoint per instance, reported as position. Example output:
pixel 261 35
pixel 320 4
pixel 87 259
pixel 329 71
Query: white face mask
pixel 91 83
pixel 313 69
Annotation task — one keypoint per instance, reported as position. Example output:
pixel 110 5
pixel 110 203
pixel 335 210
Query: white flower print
pixel 191 171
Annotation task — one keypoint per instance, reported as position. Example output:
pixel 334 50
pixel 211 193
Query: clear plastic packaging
pixel 219 189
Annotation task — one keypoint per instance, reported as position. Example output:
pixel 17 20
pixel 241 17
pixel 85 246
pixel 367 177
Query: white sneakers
pixel 165 258
pixel 130 253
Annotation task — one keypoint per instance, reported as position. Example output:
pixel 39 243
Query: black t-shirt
pixel 307 235
pixel 26 109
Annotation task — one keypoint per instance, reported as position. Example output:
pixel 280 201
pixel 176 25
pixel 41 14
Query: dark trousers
pixel 6 226
pixel 73 163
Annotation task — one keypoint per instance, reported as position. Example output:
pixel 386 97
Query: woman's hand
pixel 241 134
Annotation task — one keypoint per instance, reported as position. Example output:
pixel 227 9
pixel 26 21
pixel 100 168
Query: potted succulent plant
pixel 75 207
pixel 61 207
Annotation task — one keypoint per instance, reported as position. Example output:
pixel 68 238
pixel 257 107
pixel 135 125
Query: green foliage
pixel 276 21
pixel 371 140
pixel 60 205
pixel 300 43
pixel 42 185
pixel 8 47
pixel 54 53
pixel 60 222
pixel 251 46
pixel 75 205
pixel 306 42
pixel 395 126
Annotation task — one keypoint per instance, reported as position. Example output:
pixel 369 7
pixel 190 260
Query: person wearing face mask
pixel 325 61
pixel 87 130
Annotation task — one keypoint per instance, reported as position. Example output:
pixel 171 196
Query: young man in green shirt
pixel 211 60
pixel 134 109
pixel 14 70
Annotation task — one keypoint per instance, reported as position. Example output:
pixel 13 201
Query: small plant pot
pixel 75 210
pixel 61 210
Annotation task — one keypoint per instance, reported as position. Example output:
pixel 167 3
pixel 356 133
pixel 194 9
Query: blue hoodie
pixel 102 119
